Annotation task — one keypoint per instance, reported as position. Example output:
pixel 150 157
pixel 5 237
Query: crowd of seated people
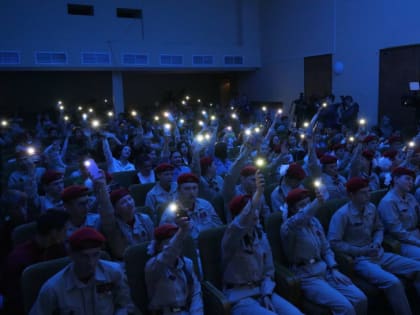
pixel 173 174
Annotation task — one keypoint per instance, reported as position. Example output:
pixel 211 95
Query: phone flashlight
pixel 234 116
pixel 187 97
pixel 305 124
pixel 80 108
pixel 110 114
pixel 257 130
pixel 324 104
pixel 30 150
pixel 411 144
pixel 167 126
pixel 351 139
pixel 207 136
pixel 280 111
pixel 260 162
pixel 213 117
pixel 4 123
pixel 317 183
pixel 95 123
pixel 200 138
pixel 362 121
pixel 156 118
pixel 201 123
pixel 264 108
pixel 66 118
pixel 133 113
pixel 90 110
pixel 248 132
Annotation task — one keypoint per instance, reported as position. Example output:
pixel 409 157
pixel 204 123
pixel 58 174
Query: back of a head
pixel 220 150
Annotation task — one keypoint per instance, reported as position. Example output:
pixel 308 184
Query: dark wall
pixel 27 93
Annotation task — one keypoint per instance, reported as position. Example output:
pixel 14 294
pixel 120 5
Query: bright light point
pixel 317 183
pixel 411 144
pixel 324 104
pixel 257 129
pixel 213 117
pixel 302 136
pixel 229 128
pixel 207 136
pixel 166 114
pixel 211 104
pixel 66 118
pixel 362 121
pixel 259 162
pixel 232 108
pixel 184 102
pixel 187 97
pixel 198 101
pixel 156 118
pixel 248 132
pixel 351 139
pixel 279 111
pixel 200 138
pixel 86 163
pixel 306 124
pixel 105 101
pixel 110 114
pixel 181 121
pixel 95 123
pixel 61 107
pixel 90 110
pixel 30 150
pixel 80 108
pixel 133 113
pixel 201 123
pixel 234 116
pixel 60 102
pixel 167 126
pixel 173 207
pixel 264 108
pixel 4 123
pixel 204 113
pixel 84 116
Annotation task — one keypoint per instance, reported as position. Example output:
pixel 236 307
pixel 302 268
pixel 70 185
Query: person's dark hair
pixel 51 220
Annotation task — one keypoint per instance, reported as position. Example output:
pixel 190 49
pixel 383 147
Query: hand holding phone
pixel 92 168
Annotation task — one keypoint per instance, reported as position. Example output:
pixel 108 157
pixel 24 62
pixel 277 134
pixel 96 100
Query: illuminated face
pixel 404 182
pixel 361 197
pixel 188 191
pixel 176 159
pixel 85 262
pixel 166 177
pixel 125 207
pixel 126 152
pixel 78 208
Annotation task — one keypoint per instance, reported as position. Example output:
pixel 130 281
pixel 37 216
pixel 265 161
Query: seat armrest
pixel 214 300
pixel 391 245
pixel 288 285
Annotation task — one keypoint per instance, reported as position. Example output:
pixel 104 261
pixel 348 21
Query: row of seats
pixel 209 244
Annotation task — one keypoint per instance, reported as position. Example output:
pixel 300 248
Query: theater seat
pixel 135 258
pixel 288 284
pixel 23 233
pixel 124 179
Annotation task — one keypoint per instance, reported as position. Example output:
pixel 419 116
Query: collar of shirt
pixel 357 213
pixel 71 281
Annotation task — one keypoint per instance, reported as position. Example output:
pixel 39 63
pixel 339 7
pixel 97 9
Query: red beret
pixel 163 167
pixel 328 159
pixel 205 163
pixel 238 203
pixel 368 154
pixel 354 184
pixel 369 138
pixel 295 171
pixel 50 176
pixel 399 171
pixel 73 192
pixel 117 194
pixel 394 139
pixel 390 154
pixel 248 170
pixel 165 231
pixel 187 178
pixel 296 195
pixel 85 238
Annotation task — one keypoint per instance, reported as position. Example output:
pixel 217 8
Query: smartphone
pixel 92 168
